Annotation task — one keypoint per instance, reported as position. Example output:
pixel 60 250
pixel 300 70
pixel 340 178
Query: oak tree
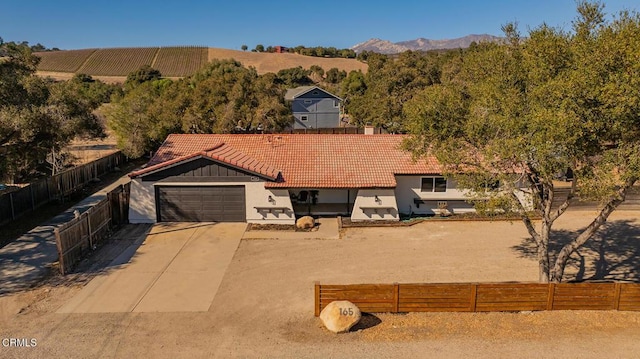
pixel 523 112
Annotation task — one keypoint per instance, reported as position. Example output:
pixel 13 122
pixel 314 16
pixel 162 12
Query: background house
pixel 313 107
pixel 261 178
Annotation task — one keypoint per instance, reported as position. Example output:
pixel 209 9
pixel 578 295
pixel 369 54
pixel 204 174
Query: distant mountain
pixel 421 44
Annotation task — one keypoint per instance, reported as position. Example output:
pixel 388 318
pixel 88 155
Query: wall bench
pixel 272 209
pixel 377 209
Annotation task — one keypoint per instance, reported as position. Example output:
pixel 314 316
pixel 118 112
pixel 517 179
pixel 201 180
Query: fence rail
pixel 29 198
pixel 481 297
pixel 85 233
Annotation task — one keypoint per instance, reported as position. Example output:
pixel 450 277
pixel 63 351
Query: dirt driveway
pixel 177 268
pixel 263 307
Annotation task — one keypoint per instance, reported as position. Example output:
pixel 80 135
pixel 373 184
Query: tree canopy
pixel 388 85
pixel 223 97
pixel 37 116
pixel 523 112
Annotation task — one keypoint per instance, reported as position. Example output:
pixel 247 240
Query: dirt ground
pixel 263 307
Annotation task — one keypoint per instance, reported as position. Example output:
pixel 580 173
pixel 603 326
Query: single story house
pixel 272 178
pixel 313 107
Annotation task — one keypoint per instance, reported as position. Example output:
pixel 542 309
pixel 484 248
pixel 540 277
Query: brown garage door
pixel 200 204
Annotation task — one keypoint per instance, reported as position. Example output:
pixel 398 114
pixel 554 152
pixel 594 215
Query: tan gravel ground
pixel 264 305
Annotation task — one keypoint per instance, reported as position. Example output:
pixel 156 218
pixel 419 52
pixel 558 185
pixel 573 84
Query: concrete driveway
pixel 177 268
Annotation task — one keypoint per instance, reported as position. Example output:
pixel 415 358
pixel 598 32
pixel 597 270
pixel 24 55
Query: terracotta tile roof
pixel 303 160
pixel 221 152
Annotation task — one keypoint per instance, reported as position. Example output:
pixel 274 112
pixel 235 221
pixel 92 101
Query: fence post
pixel 60 254
pixel 110 206
pixel 396 297
pixel 88 213
pixel 122 197
pixel 550 296
pixel 474 297
pixel 317 299
pixel 616 298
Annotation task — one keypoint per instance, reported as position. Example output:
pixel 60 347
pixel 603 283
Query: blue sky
pixel 231 23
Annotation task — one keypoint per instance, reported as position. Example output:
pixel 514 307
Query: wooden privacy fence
pixel 29 198
pixel 481 297
pixel 84 234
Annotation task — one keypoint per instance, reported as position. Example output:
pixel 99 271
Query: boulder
pixel 305 222
pixel 339 316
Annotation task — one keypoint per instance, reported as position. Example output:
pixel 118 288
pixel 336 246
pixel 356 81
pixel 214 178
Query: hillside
pixel 113 64
pixel 421 44
pixel 271 62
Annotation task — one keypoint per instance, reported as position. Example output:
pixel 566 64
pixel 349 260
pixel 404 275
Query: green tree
pixel 259 48
pixel 131 119
pixel 296 76
pixel 317 73
pixel 38 117
pixel 522 112
pixel 94 91
pixel 222 97
pixel 335 76
pixel 143 74
pixel 244 47
pixel 389 85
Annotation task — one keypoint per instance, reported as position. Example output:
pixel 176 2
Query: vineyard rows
pixel 63 61
pixel 118 62
pixel 170 61
pixel 180 61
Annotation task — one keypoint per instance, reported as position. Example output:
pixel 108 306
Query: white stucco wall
pixel 142 207
pixel 409 187
pixel 366 198
pixel 142 203
pixel 258 196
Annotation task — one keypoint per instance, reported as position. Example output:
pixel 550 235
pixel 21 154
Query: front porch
pixel 323 209
pixel 323 202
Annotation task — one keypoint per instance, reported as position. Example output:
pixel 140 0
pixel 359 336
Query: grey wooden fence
pixel 29 198
pixel 78 237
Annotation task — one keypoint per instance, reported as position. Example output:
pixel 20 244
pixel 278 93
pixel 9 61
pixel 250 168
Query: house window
pixel 433 184
pixel 304 118
pixel 336 103
pixel 307 101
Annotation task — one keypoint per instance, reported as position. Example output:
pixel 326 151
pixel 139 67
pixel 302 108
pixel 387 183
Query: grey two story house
pixel 314 107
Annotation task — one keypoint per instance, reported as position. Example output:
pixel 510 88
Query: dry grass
pixel 271 62
pixel 63 76
pixel 85 151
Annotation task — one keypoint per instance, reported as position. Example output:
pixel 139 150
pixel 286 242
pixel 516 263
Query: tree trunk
pixel 543 260
pixel 563 257
pixel 543 245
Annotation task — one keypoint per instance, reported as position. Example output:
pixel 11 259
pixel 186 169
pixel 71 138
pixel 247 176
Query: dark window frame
pixel 434 184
